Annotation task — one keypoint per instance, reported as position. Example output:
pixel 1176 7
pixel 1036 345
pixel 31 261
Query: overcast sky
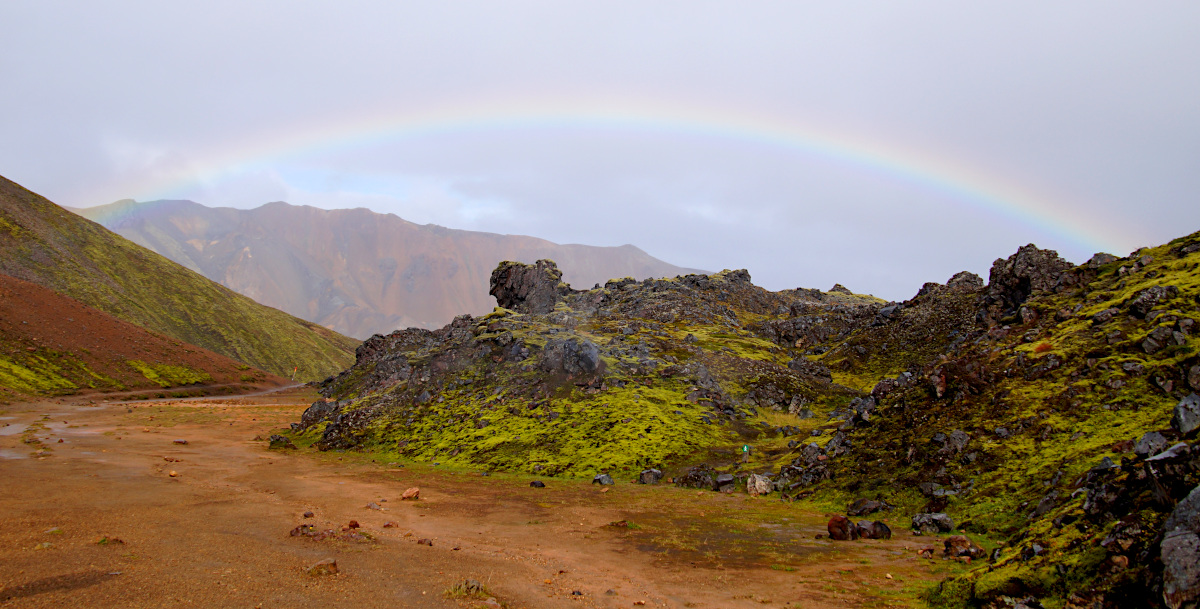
pixel 875 144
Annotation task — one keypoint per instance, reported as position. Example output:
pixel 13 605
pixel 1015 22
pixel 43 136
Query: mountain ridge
pixel 356 271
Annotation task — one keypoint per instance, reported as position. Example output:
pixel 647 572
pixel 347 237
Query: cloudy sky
pixel 876 144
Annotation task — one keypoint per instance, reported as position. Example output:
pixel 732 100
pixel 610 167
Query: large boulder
pixel 572 357
pixel 1181 553
pixel 528 288
pixel 1029 271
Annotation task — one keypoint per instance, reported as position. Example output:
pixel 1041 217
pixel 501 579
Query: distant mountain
pixel 54 345
pixel 43 243
pixel 353 270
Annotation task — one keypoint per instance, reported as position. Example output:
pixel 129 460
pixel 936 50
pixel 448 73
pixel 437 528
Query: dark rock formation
pixel 841 529
pixel 932 524
pixel 1027 272
pixel 528 288
pixel 1181 552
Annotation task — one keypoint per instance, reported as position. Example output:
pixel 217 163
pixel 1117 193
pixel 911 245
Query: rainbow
pixel 938 173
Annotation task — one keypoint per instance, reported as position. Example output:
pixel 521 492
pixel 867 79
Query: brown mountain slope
pixel 54 345
pixel 355 271
pixel 47 245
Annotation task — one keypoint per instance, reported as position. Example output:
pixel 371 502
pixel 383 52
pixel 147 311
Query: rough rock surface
pixel 1181 552
pixel 932 524
pixel 1029 271
pixel 528 288
pixel 841 529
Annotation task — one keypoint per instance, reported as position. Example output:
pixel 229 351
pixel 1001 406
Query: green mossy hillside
pixel 42 243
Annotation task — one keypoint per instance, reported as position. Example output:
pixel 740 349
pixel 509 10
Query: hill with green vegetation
pixel 51 345
pixel 1047 415
pixel 45 244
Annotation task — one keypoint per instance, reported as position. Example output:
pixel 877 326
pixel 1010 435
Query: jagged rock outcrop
pixel 528 288
pixel 1029 271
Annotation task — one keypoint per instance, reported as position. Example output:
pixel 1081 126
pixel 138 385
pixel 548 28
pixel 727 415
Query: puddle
pixel 11 454
pixel 12 430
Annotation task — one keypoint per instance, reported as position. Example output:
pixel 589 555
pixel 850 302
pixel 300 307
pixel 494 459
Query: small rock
pixel 279 442
pixel 353 524
pixel 373 506
pixel 425 542
pixel 390 525
pixel 1194 377
pixel 932 524
pixel 961 545
pixel 537 484
pixel 308 514
pixel 650 476
pixel 413 494
pixel 602 479
pixel 576 593
pixel 1187 414
pixel 179 442
pixel 173 474
pixel 326 566
pixel 724 483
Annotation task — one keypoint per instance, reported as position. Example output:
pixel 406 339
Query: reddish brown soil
pixel 216 534
pixel 37 322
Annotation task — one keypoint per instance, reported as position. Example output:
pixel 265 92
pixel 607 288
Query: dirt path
pixel 216 534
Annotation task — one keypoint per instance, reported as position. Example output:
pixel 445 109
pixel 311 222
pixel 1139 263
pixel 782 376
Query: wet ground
pixel 91 516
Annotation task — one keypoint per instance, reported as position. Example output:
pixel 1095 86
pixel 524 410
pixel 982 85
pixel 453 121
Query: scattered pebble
pixel 390 525
pixel 537 484
pixel 425 542
pixel 373 506
pixel 308 514
pixel 173 474
pixel 413 493
pixel 180 442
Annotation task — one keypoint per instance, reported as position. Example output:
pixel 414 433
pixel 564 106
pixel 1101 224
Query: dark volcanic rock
pixel 528 288
pixel 1151 443
pixel 1146 300
pixel 862 507
pixel 604 479
pixel 965 280
pixel 572 357
pixel 874 530
pixel 841 529
pixel 1181 552
pixel 650 476
pixel 1027 272
pixel 932 524
pixel 700 476
pixel 1187 414
pixel 319 411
